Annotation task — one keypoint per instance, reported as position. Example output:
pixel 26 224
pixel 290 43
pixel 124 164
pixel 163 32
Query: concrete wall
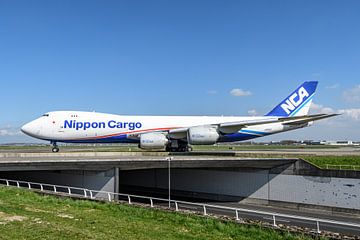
pixel 234 184
pixel 322 191
pixel 333 192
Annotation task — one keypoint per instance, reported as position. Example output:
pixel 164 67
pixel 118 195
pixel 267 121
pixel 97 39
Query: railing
pixel 111 196
pixel 343 167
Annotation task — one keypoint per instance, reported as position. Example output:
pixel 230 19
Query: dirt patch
pixel 65 216
pixel 15 218
pixel 39 221
pixel 36 210
pixel 4 218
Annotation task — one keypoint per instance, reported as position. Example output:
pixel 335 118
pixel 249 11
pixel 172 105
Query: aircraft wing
pixel 233 127
pixel 225 128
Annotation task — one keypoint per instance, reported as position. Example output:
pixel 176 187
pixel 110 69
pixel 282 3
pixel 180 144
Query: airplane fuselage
pixel 174 133
pixel 93 127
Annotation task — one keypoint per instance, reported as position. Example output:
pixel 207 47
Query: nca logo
pixel 290 104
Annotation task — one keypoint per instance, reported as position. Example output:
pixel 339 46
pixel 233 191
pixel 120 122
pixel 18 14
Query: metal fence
pixel 343 167
pixel 152 201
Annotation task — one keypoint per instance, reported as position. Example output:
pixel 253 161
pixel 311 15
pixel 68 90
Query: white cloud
pixel 352 95
pixel 349 113
pixel 353 113
pixel 7 132
pixel 320 109
pixel 238 92
pixel 252 112
pixel 334 86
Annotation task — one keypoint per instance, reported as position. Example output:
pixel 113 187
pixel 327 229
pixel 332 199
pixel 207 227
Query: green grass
pixel 326 162
pixel 322 161
pixel 27 215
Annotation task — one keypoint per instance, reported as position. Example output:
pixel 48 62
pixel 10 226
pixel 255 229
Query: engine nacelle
pixel 153 141
pixel 203 135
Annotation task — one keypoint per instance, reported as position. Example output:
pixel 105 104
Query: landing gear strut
pixel 178 147
pixel 55 148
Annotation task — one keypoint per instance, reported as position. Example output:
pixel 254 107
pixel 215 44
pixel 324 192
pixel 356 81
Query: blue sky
pixel 178 58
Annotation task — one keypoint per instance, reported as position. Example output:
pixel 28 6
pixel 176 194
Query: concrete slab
pixel 128 161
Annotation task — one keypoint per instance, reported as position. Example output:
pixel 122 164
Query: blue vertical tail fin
pixel 297 103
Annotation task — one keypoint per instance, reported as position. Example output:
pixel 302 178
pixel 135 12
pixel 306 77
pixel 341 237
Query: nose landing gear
pixel 55 148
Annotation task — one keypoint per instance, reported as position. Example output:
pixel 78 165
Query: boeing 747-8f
pixel 174 133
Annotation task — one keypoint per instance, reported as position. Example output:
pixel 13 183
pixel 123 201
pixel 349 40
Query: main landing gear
pixel 55 147
pixel 178 147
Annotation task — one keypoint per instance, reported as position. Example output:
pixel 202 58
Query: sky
pixel 179 58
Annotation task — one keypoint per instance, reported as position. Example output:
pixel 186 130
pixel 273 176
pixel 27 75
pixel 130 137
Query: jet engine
pixel 206 135
pixel 153 141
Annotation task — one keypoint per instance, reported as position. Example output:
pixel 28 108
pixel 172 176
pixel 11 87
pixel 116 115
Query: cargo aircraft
pixel 173 133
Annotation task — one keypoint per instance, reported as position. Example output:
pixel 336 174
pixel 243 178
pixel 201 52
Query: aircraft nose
pixel 26 128
pixel 29 129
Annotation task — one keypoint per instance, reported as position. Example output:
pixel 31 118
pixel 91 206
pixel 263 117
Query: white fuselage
pixel 92 127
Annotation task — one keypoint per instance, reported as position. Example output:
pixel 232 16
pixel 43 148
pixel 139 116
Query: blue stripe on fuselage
pixel 113 139
pixel 239 136
pixel 253 132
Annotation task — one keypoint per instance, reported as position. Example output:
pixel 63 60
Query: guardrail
pixel 342 167
pixel 111 196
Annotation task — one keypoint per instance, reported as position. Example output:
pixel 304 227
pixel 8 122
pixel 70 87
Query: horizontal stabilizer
pixel 310 118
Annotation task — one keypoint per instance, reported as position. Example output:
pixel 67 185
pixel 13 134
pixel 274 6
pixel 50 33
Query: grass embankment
pixel 27 215
pixel 335 162
pixel 347 162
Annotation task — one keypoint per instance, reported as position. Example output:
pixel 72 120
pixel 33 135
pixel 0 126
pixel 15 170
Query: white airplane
pixel 174 133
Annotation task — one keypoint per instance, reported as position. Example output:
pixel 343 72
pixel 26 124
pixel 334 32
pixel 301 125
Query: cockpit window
pixel 45 115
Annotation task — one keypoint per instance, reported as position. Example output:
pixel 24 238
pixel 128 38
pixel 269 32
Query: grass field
pixel 27 215
pixel 335 162
pixel 325 162
pixel 351 162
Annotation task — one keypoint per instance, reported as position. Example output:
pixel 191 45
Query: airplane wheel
pixel 55 150
pixel 181 148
